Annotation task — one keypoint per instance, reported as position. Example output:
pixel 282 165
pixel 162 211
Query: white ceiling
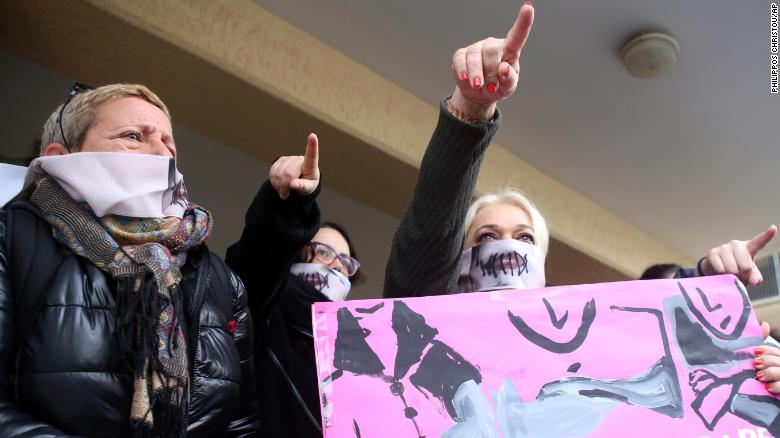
pixel 691 158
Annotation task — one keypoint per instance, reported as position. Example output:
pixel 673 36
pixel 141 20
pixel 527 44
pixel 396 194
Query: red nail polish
pixel 768 387
pixel 491 87
pixel 506 73
pixel 759 350
pixel 760 375
pixel 464 76
pixel 757 362
pixel 476 82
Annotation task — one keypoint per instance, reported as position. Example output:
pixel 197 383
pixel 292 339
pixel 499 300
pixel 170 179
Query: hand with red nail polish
pixel 487 71
pixel 767 365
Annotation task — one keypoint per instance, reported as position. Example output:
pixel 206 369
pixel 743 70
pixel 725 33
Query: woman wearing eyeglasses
pixel 284 243
pixel 327 264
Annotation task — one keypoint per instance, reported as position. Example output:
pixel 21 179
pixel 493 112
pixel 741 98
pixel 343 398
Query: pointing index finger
pixel 757 243
pixel 518 34
pixel 311 158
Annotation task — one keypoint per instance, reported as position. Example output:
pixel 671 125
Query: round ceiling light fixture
pixel 650 55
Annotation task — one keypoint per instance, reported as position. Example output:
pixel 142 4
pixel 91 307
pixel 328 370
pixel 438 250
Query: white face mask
pixel 504 264
pixel 330 282
pixel 125 184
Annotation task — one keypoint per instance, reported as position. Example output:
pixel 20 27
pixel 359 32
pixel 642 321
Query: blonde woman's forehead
pixel 503 215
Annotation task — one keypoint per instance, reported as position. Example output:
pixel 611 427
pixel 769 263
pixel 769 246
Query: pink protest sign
pixel 639 358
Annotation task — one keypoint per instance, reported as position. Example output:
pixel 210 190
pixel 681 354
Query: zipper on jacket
pixel 201 290
pixel 196 338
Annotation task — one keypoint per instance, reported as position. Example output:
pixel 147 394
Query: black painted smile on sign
pixel 557 323
pixel 588 315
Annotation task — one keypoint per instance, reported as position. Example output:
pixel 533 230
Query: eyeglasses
pixel 74 90
pixel 327 255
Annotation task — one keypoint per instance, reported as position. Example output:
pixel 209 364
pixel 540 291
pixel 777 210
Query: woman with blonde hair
pixel 427 248
pixel 506 243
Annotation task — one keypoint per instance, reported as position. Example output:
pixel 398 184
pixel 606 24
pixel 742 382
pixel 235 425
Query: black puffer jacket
pixel 58 370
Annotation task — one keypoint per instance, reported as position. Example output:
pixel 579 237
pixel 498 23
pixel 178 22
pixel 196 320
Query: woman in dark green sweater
pixel 427 254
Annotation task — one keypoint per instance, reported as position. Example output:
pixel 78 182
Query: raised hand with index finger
pixel 487 71
pixel 300 174
pixel 737 257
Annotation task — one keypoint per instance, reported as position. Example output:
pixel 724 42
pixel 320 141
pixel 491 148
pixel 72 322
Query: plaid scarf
pixel 144 256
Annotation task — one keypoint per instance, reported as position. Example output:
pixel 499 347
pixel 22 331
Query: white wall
pixel 222 179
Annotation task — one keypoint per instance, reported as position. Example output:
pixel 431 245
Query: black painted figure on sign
pixel 709 339
pixel 413 336
pixel 441 370
pixel 352 352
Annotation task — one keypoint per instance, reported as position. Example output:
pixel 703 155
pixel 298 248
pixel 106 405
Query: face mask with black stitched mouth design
pixel 505 264
pixel 330 282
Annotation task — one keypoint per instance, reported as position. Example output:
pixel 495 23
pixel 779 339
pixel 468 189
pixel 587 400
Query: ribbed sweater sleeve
pixel 426 249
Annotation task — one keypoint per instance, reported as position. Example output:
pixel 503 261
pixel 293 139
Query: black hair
pixel 345 235
pixel 343 232
pixel 661 270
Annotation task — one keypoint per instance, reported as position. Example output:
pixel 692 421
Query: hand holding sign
pixel 487 71
pixel 767 365
pixel 736 257
pixel 297 173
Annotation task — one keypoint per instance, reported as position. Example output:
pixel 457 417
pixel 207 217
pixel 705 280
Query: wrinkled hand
pixel 736 257
pixel 487 71
pixel 297 173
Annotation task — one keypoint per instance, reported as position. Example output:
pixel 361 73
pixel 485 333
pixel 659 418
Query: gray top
pixel 425 255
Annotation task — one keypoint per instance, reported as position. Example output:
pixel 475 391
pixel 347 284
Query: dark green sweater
pixel 426 251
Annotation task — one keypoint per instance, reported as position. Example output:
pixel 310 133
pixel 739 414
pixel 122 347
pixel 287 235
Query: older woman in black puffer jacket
pixel 115 318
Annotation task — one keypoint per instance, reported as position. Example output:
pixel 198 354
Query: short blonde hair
pixel 82 109
pixel 512 196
